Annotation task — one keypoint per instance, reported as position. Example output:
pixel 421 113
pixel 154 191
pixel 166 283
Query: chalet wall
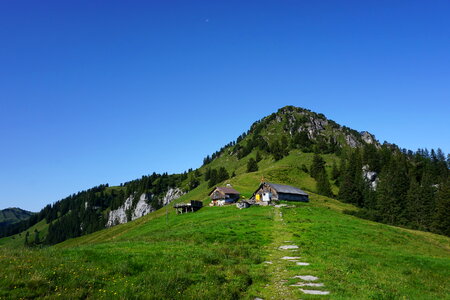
pixel 292 197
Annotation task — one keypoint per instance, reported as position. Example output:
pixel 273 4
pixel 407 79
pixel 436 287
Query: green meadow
pixel 220 253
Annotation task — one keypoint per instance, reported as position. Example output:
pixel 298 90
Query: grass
pixel 360 259
pixel 18 240
pixel 219 252
pixel 192 256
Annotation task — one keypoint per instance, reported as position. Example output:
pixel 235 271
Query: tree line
pixel 85 212
pixel 411 189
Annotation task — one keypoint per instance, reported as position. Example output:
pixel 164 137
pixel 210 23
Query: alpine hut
pixel 267 192
pixel 222 195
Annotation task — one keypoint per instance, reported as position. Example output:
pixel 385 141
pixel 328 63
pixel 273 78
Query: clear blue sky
pixel 98 92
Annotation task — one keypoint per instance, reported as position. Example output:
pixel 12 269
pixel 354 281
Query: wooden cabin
pixel 267 192
pixel 223 195
pixel 192 206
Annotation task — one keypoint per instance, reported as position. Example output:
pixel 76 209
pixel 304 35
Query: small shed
pixel 192 206
pixel 222 195
pixel 267 192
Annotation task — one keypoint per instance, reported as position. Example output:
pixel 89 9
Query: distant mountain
pixel 13 215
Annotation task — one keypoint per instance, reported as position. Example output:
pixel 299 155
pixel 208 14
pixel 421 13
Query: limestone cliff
pixel 141 208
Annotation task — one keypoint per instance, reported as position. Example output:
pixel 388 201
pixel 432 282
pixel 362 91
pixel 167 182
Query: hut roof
pixel 225 190
pixel 287 189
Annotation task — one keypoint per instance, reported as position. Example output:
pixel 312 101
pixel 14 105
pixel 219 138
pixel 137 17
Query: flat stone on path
pixel 307 284
pixel 267 262
pixel 314 292
pixel 290 257
pixel 302 264
pixel 288 247
pixel 306 277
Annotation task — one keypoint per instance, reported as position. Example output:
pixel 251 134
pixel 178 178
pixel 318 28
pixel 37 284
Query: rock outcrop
pixel 141 208
pixel 172 194
pixel 368 138
pixel 370 176
pixel 119 216
pixel 351 141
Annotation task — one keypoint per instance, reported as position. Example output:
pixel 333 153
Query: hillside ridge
pixel 13 215
pixel 291 134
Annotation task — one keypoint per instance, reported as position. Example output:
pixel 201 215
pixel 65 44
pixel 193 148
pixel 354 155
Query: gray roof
pixel 287 189
pixel 225 190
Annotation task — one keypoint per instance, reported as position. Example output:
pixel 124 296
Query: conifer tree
pixel 222 175
pixel 252 165
pixel 334 171
pixel 207 174
pixel 323 185
pixel 318 164
pixel 351 181
pixel 276 150
pixel 258 157
pixel 36 237
pixel 213 178
pixel 441 218
pixel 392 191
pixel 26 243
pixel 414 205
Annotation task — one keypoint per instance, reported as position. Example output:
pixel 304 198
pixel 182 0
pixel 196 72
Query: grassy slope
pixel 218 252
pixel 18 240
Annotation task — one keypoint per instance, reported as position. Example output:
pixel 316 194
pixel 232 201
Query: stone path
pixel 303 277
pixel 277 266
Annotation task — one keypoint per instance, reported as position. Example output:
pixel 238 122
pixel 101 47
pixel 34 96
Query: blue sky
pixel 96 92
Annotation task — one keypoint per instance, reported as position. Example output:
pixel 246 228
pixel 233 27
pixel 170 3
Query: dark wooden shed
pixel 267 192
pixel 191 206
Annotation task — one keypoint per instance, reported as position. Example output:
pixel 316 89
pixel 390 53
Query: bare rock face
pixel 172 194
pixel 142 207
pixel 119 216
pixel 315 126
pixel 368 138
pixel 350 140
pixel 370 176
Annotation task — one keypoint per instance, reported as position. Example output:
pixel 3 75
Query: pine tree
pixel 335 171
pixel 392 191
pixel 276 150
pixel 351 180
pixel 252 165
pixel 258 157
pixel 36 237
pixel 193 182
pixel 213 178
pixel 222 175
pixel 318 164
pixel 207 174
pixel 414 205
pixel 26 243
pixel 441 218
pixel 323 185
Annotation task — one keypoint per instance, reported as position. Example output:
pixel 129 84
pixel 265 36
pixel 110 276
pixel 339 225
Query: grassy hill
pixel 227 253
pixel 13 215
pixel 219 252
